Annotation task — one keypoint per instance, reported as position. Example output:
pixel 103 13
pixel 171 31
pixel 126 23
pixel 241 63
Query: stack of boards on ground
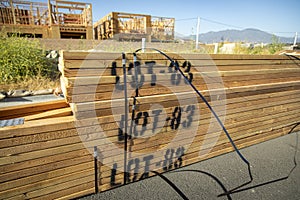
pixel 32 161
pixel 256 96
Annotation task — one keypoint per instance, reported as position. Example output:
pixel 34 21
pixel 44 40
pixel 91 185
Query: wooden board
pixel 51 155
pixel 31 109
pixel 93 55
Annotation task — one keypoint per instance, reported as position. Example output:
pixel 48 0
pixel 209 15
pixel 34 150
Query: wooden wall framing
pixel 128 26
pixel 55 19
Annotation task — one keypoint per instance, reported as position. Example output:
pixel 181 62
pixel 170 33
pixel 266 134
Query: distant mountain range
pixel 248 35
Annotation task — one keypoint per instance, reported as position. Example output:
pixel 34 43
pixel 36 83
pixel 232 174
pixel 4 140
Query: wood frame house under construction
pixel 54 19
pixel 128 26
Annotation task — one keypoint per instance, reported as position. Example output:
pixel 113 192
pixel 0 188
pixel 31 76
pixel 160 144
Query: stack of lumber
pixel 50 156
pixel 34 111
pixel 262 102
pixel 43 158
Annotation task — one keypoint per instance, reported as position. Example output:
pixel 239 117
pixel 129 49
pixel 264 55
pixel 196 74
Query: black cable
pixel 182 195
pixel 209 107
pixel 211 176
pixel 293 58
pixel 295 126
pixel 226 193
pixel 296 149
pixel 236 190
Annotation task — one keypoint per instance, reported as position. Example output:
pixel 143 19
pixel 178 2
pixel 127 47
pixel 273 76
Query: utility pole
pixel 295 41
pixel 143 44
pixel 197 34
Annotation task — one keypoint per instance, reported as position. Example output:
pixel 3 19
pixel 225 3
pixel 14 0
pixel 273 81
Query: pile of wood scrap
pixel 257 98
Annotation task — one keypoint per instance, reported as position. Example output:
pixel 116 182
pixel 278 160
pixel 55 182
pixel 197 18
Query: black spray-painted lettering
pixel 173 66
pixel 113 176
pixel 144 117
pixel 156 114
pixel 121 135
pixel 168 161
pixel 179 155
pixel 187 65
pixel 176 118
pixel 114 68
pixel 173 159
pixel 150 66
pixel 130 68
pixel 147 161
pixel 175 79
pixel 138 79
pixel 118 85
pixel 189 78
pixel 190 110
pixel 136 163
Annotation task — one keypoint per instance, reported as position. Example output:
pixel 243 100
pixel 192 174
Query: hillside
pixel 246 35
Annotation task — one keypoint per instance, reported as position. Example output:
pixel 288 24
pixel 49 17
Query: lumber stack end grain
pixel 51 155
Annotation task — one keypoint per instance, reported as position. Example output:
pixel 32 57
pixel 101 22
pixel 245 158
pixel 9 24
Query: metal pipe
pixel 126 116
pixel 96 168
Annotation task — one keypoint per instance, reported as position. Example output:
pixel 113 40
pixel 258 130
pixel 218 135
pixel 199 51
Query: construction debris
pixel 2 96
pixel 24 93
pixel 42 92
pixel 18 93
pixel 11 122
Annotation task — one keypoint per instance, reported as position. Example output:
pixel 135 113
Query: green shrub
pixel 22 58
pixel 275 46
pixel 270 49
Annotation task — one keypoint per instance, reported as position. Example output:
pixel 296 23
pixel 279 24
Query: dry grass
pixel 31 84
pixel 39 83
pixel 116 46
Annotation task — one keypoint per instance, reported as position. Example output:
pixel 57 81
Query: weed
pixel 275 46
pixel 23 59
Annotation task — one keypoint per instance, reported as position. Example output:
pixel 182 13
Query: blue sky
pixel 272 16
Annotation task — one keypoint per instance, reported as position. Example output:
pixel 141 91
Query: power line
pixel 234 26
pixel 186 19
pixel 209 20
pixel 220 23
